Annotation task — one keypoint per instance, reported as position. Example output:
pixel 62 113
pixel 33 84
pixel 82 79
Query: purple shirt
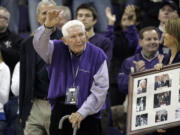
pixel 123 76
pixel 92 77
pixel 104 43
pixel 130 33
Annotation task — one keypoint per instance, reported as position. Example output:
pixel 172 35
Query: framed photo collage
pixel 154 100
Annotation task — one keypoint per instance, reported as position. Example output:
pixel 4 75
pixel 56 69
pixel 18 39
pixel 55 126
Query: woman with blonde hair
pixel 172 40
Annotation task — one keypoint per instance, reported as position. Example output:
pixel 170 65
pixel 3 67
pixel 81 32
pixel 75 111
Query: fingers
pixel 79 123
pixel 140 65
pixel 160 58
pixel 161 131
pixel 53 17
pixel 131 15
pixel 108 10
pixel 130 9
pixel 75 118
pixel 158 66
pixel 111 18
pixel 135 62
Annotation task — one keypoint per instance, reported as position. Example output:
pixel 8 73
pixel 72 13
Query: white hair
pixel 71 23
pixel 44 2
pixel 141 82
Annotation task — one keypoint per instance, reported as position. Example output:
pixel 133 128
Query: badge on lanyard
pixel 72 96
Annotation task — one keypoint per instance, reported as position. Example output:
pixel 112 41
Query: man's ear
pixel 37 18
pixel 94 21
pixel 140 42
pixel 86 33
pixel 64 40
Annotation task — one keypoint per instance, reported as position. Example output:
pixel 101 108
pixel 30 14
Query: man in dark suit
pixel 34 82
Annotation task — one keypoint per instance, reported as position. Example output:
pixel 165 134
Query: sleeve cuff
pixel 48 30
pixel 83 112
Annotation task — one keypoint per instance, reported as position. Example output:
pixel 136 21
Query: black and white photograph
pixel 161 115
pixel 141 120
pixel 162 81
pixel 179 95
pixel 179 78
pixel 162 99
pixel 142 86
pixel 177 113
pixel 141 104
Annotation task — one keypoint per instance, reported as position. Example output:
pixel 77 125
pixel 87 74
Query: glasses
pixel 3 17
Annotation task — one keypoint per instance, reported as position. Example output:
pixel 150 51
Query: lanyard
pixel 75 73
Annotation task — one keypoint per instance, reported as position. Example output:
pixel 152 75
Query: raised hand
pixel 129 15
pixel 111 17
pixel 130 11
pixel 140 65
pixel 53 17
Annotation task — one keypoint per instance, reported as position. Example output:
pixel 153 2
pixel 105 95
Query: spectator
pixel 168 10
pixel 125 38
pixel 4 93
pixel 146 59
pixel 13 7
pixel 10 48
pixel 172 40
pixel 34 82
pixel 100 5
pixel 32 6
pixel 9 42
pixel 87 14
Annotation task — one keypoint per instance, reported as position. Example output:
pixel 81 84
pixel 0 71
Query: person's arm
pixel 132 35
pixel 42 43
pixel 4 83
pixel 96 99
pixel 99 89
pixel 109 33
pixel 123 77
pixel 15 80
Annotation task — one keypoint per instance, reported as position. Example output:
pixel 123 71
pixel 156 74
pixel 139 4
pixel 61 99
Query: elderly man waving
pixel 79 87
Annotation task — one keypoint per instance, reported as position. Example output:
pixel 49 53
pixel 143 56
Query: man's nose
pixel 166 12
pixel 78 39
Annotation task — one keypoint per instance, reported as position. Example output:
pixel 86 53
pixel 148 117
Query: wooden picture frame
pixel 153 100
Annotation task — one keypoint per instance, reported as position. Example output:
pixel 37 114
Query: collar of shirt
pixel 157 53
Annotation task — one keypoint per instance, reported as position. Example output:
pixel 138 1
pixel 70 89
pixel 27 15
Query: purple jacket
pixel 123 76
pixel 104 43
